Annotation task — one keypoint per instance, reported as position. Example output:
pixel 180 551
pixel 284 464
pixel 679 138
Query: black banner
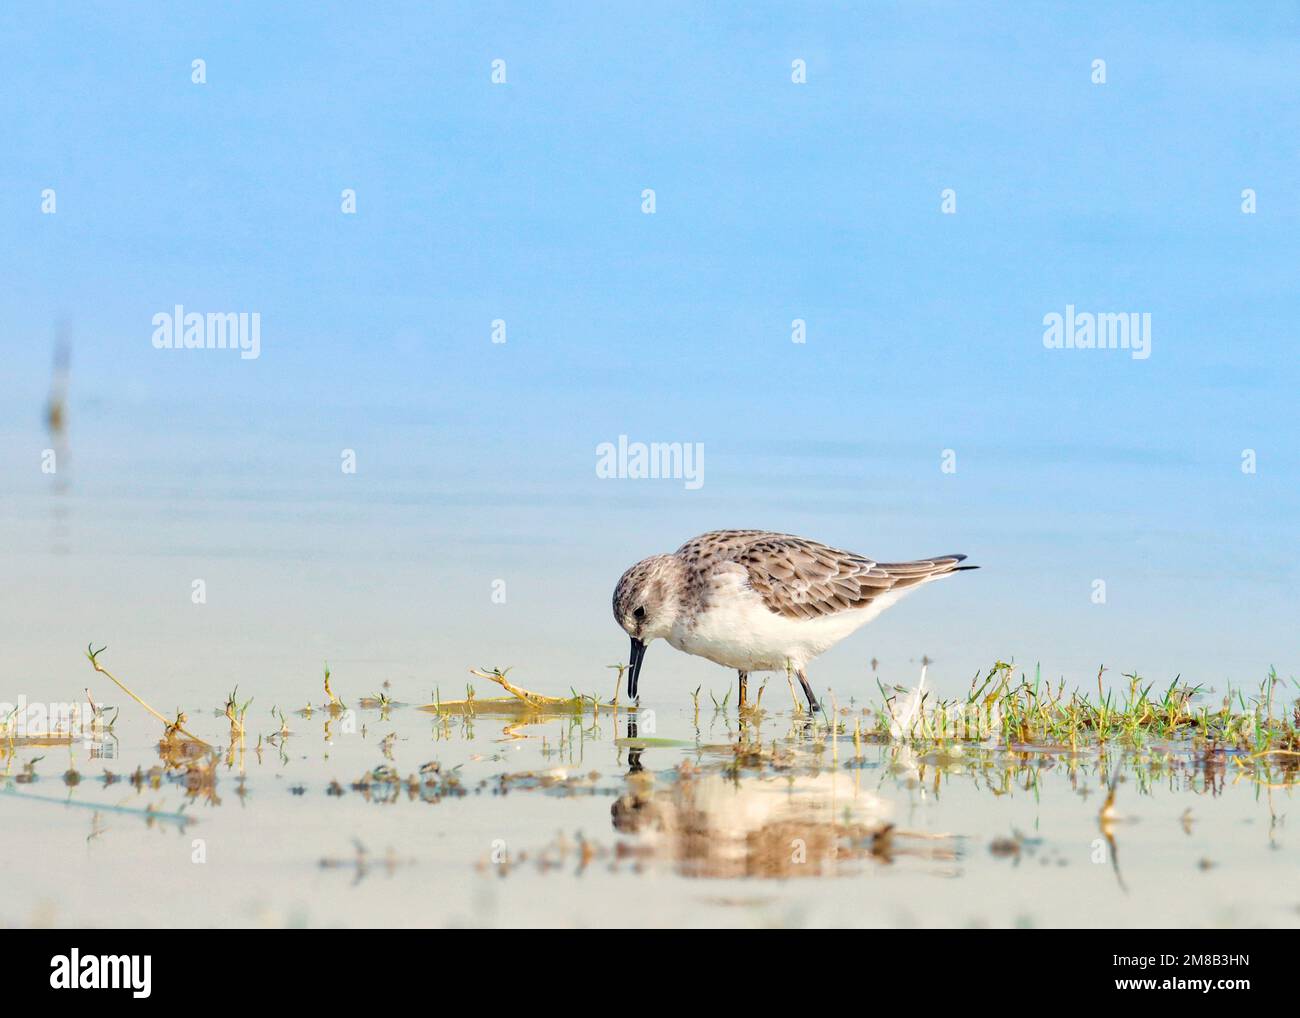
pixel 177 967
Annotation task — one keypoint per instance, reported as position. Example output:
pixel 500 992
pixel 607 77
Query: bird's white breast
pixel 737 630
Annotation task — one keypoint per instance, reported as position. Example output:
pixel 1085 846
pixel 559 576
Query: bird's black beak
pixel 634 667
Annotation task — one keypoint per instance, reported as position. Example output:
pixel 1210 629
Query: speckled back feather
pixel 803 579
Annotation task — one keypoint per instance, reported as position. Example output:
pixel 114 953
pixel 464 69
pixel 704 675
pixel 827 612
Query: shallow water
pixel 402 817
pixel 694 820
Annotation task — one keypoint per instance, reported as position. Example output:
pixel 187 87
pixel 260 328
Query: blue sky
pixel 774 201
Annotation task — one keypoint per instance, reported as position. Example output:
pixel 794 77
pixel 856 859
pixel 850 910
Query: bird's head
pixel 647 601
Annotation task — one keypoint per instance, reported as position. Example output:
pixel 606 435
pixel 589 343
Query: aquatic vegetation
pixel 235 712
pixel 172 729
pixel 904 715
pixel 519 700
pixel 1036 713
pixel 334 703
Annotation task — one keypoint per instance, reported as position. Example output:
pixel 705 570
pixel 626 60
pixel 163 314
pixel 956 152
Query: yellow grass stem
pixel 172 726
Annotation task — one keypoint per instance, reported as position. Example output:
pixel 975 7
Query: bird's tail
pixel 909 574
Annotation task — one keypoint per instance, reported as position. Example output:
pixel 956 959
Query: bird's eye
pixel 639 614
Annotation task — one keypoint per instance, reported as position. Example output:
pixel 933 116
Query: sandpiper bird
pixel 754 600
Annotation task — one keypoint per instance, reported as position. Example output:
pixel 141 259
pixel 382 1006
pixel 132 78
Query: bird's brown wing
pixel 803 579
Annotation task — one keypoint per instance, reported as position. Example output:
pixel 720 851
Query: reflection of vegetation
pixel 361 863
pixel 385 784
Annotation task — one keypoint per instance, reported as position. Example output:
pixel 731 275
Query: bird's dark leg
pixel 813 705
pixel 744 687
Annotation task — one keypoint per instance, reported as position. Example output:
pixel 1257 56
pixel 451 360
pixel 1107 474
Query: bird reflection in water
pixel 634 752
pixel 717 820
